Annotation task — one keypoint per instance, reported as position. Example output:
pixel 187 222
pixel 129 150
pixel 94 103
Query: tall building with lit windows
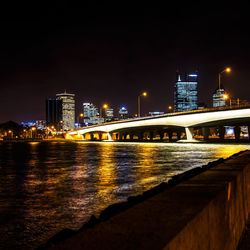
pixel 109 114
pixel 185 97
pixel 68 110
pixel 90 113
pixel 218 97
pixel 123 113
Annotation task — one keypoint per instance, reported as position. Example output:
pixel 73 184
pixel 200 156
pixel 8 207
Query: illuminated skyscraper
pixel 68 110
pixel 185 97
pixel 90 113
pixel 123 113
pixel 218 97
pixel 109 114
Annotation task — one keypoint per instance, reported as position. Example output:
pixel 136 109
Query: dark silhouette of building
pixel 54 113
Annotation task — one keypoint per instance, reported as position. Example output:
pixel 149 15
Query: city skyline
pixel 107 56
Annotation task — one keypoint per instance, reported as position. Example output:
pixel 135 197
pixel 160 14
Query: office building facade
pixel 123 113
pixel 186 92
pixel 109 114
pixel 68 110
pixel 90 114
pixel 219 97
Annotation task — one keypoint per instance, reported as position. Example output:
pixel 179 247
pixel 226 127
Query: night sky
pixel 111 51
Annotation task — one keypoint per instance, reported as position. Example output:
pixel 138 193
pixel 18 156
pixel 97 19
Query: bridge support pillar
pixel 178 135
pixel 237 132
pixel 205 133
pixel 189 134
pixel 92 136
pixel 170 135
pixel 109 137
pixel 131 137
pixel 248 131
pixel 151 135
pixel 122 136
pixel 222 132
pixel 140 136
pixel 161 133
pixel 100 136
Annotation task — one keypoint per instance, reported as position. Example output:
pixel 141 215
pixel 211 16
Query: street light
pixel 170 108
pixel 227 97
pixel 79 119
pixel 139 102
pixel 11 133
pixel 227 70
pixel 104 106
pixel 33 129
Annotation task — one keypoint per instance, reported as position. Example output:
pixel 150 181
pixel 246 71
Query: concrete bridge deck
pixel 166 125
pixel 207 211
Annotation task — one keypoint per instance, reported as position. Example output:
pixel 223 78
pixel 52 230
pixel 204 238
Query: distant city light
pixel 193 75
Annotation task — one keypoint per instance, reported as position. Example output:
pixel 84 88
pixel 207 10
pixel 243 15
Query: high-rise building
pixel 123 113
pixel 68 110
pixel 186 97
pixel 90 113
pixel 218 97
pixel 109 114
pixel 54 113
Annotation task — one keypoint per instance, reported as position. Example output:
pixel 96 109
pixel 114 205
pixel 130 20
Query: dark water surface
pixel 48 186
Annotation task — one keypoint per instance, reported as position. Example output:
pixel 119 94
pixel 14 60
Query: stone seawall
pixel 204 208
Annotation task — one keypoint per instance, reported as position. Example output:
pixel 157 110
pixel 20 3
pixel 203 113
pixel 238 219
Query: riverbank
pixel 189 205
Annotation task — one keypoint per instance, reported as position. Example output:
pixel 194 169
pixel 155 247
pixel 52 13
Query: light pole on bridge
pixel 227 70
pixel 139 102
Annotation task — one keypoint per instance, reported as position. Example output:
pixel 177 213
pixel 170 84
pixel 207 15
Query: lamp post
pixel 227 97
pixel 139 102
pixel 10 132
pixel 227 70
pixel 170 108
pixel 33 129
pixel 104 106
pixel 79 119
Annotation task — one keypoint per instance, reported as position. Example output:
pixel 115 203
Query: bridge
pixel 187 126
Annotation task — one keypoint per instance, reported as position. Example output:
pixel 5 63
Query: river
pixel 48 186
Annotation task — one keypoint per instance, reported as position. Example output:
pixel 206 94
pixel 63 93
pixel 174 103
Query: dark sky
pixel 111 51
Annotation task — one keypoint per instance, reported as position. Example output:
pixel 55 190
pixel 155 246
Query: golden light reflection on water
pixel 63 184
pixel 146 156
pixel 228 150
pixel 106 172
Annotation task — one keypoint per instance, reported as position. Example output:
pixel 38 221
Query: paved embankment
pixel 205 208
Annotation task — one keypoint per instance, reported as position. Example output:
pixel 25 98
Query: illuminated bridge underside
pixel 178 123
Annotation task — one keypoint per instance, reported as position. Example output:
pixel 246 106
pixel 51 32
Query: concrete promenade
pixel 206 211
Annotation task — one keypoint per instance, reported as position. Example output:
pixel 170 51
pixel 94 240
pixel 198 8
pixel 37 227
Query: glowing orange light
pixel 105 106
